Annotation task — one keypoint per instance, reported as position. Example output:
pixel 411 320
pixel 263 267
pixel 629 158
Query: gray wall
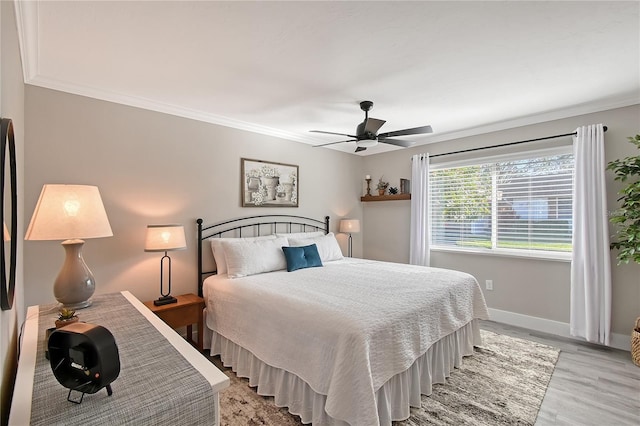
pixel 11 106
pixel 538 288
pixel 154 168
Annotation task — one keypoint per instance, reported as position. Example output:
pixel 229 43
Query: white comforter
pixel 345 328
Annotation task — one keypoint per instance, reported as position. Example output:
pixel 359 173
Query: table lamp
pixel 165 238
pixel 350 226
pixel 71 213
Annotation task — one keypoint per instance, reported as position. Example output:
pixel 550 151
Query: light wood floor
pixel 591 384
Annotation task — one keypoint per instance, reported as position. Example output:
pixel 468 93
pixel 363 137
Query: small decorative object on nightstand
pixel 165 238
pixel 184 313
pixel 66 317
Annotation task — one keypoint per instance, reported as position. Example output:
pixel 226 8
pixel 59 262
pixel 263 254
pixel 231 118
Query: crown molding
pixel 166 108
pixel 153 105
pixel 27 24
pixel 573 111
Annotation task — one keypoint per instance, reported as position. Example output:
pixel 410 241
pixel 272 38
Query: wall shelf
pixel 388 197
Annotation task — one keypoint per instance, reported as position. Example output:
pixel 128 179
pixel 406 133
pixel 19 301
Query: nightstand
pixel 186 312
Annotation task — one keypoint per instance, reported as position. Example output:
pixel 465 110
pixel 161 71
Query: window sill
pixel 522 254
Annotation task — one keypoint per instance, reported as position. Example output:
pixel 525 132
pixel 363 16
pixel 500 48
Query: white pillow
pixel 254 257
pixel 218 250
pixel 328 246
pixel 301 234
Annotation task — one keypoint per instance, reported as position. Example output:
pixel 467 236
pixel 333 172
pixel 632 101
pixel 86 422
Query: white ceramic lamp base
pixel 75 284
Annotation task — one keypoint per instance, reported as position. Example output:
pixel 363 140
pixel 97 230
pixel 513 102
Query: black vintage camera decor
pixel 84 358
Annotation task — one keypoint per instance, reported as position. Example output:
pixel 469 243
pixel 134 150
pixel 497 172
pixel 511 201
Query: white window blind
pixel 521 203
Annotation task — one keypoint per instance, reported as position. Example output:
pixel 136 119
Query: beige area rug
pixel 503 383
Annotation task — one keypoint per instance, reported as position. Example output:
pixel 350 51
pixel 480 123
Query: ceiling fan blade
pixel 396 142
pixel 372 125
pixel 333 133
pixel 333 143
pixel 414 131
pixel 360 148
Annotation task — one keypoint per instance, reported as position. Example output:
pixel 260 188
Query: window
pixel 511 204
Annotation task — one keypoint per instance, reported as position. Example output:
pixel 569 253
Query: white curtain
pixel 590 265
pixel 420 212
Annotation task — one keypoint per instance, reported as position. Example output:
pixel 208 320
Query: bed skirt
pixel 394 398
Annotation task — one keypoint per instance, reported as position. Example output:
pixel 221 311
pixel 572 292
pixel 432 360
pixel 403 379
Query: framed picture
pixel 405 186
pixel 268 184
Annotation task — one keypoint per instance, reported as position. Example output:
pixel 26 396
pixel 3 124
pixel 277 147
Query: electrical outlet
pixel 488 284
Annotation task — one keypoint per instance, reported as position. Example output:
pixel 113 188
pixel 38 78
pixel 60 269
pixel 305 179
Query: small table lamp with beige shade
pixel 350 226
pixel 71 213
pixel 165 238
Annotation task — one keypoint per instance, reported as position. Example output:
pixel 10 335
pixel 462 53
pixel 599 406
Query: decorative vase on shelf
pixel 381 191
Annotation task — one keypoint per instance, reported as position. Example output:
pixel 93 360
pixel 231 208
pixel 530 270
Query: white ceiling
pixel 284 68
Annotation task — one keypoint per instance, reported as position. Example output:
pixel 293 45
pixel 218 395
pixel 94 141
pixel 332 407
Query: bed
pixel 349 341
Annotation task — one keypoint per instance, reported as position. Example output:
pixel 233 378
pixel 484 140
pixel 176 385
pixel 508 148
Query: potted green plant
pixel 66 317
pixel 382 186
pixel 627 221
pixel 627 217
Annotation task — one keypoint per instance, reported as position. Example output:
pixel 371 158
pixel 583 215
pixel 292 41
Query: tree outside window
pixel 520 204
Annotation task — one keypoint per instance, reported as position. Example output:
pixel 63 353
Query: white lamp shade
pixel 350 226
pixel 66 212
pixel 165 238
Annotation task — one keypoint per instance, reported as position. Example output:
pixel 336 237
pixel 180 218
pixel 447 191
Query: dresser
pixel 163 379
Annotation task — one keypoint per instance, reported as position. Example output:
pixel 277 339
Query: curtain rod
pixel 508 144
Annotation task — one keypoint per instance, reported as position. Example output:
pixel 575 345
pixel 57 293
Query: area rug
pixel 503 383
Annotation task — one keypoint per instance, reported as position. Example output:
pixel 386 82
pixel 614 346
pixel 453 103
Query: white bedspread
pixel 345 328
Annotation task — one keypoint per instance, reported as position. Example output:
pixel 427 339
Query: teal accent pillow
pixel 302 257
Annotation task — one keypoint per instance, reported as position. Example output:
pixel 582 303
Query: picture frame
pixel 405 186
pixel 268 184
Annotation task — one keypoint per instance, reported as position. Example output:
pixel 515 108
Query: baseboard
pixel 618 341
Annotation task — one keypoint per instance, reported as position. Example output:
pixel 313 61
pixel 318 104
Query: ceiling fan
pixel 366 133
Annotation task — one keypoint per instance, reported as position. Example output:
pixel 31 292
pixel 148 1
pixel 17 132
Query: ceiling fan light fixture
pixel 367 143
pixel 367 134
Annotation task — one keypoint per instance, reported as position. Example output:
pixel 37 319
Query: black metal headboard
pixel 257 225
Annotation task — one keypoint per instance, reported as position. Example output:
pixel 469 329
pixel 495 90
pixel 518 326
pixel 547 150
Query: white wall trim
pixel 544 117
pixel 154 105
pixel 27 24
pixel 618 341
pixel 163 107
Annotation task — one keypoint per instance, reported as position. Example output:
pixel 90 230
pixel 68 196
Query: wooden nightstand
pixel 185 313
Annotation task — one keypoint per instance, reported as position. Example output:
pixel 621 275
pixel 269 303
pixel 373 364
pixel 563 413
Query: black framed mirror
pixel 9 213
